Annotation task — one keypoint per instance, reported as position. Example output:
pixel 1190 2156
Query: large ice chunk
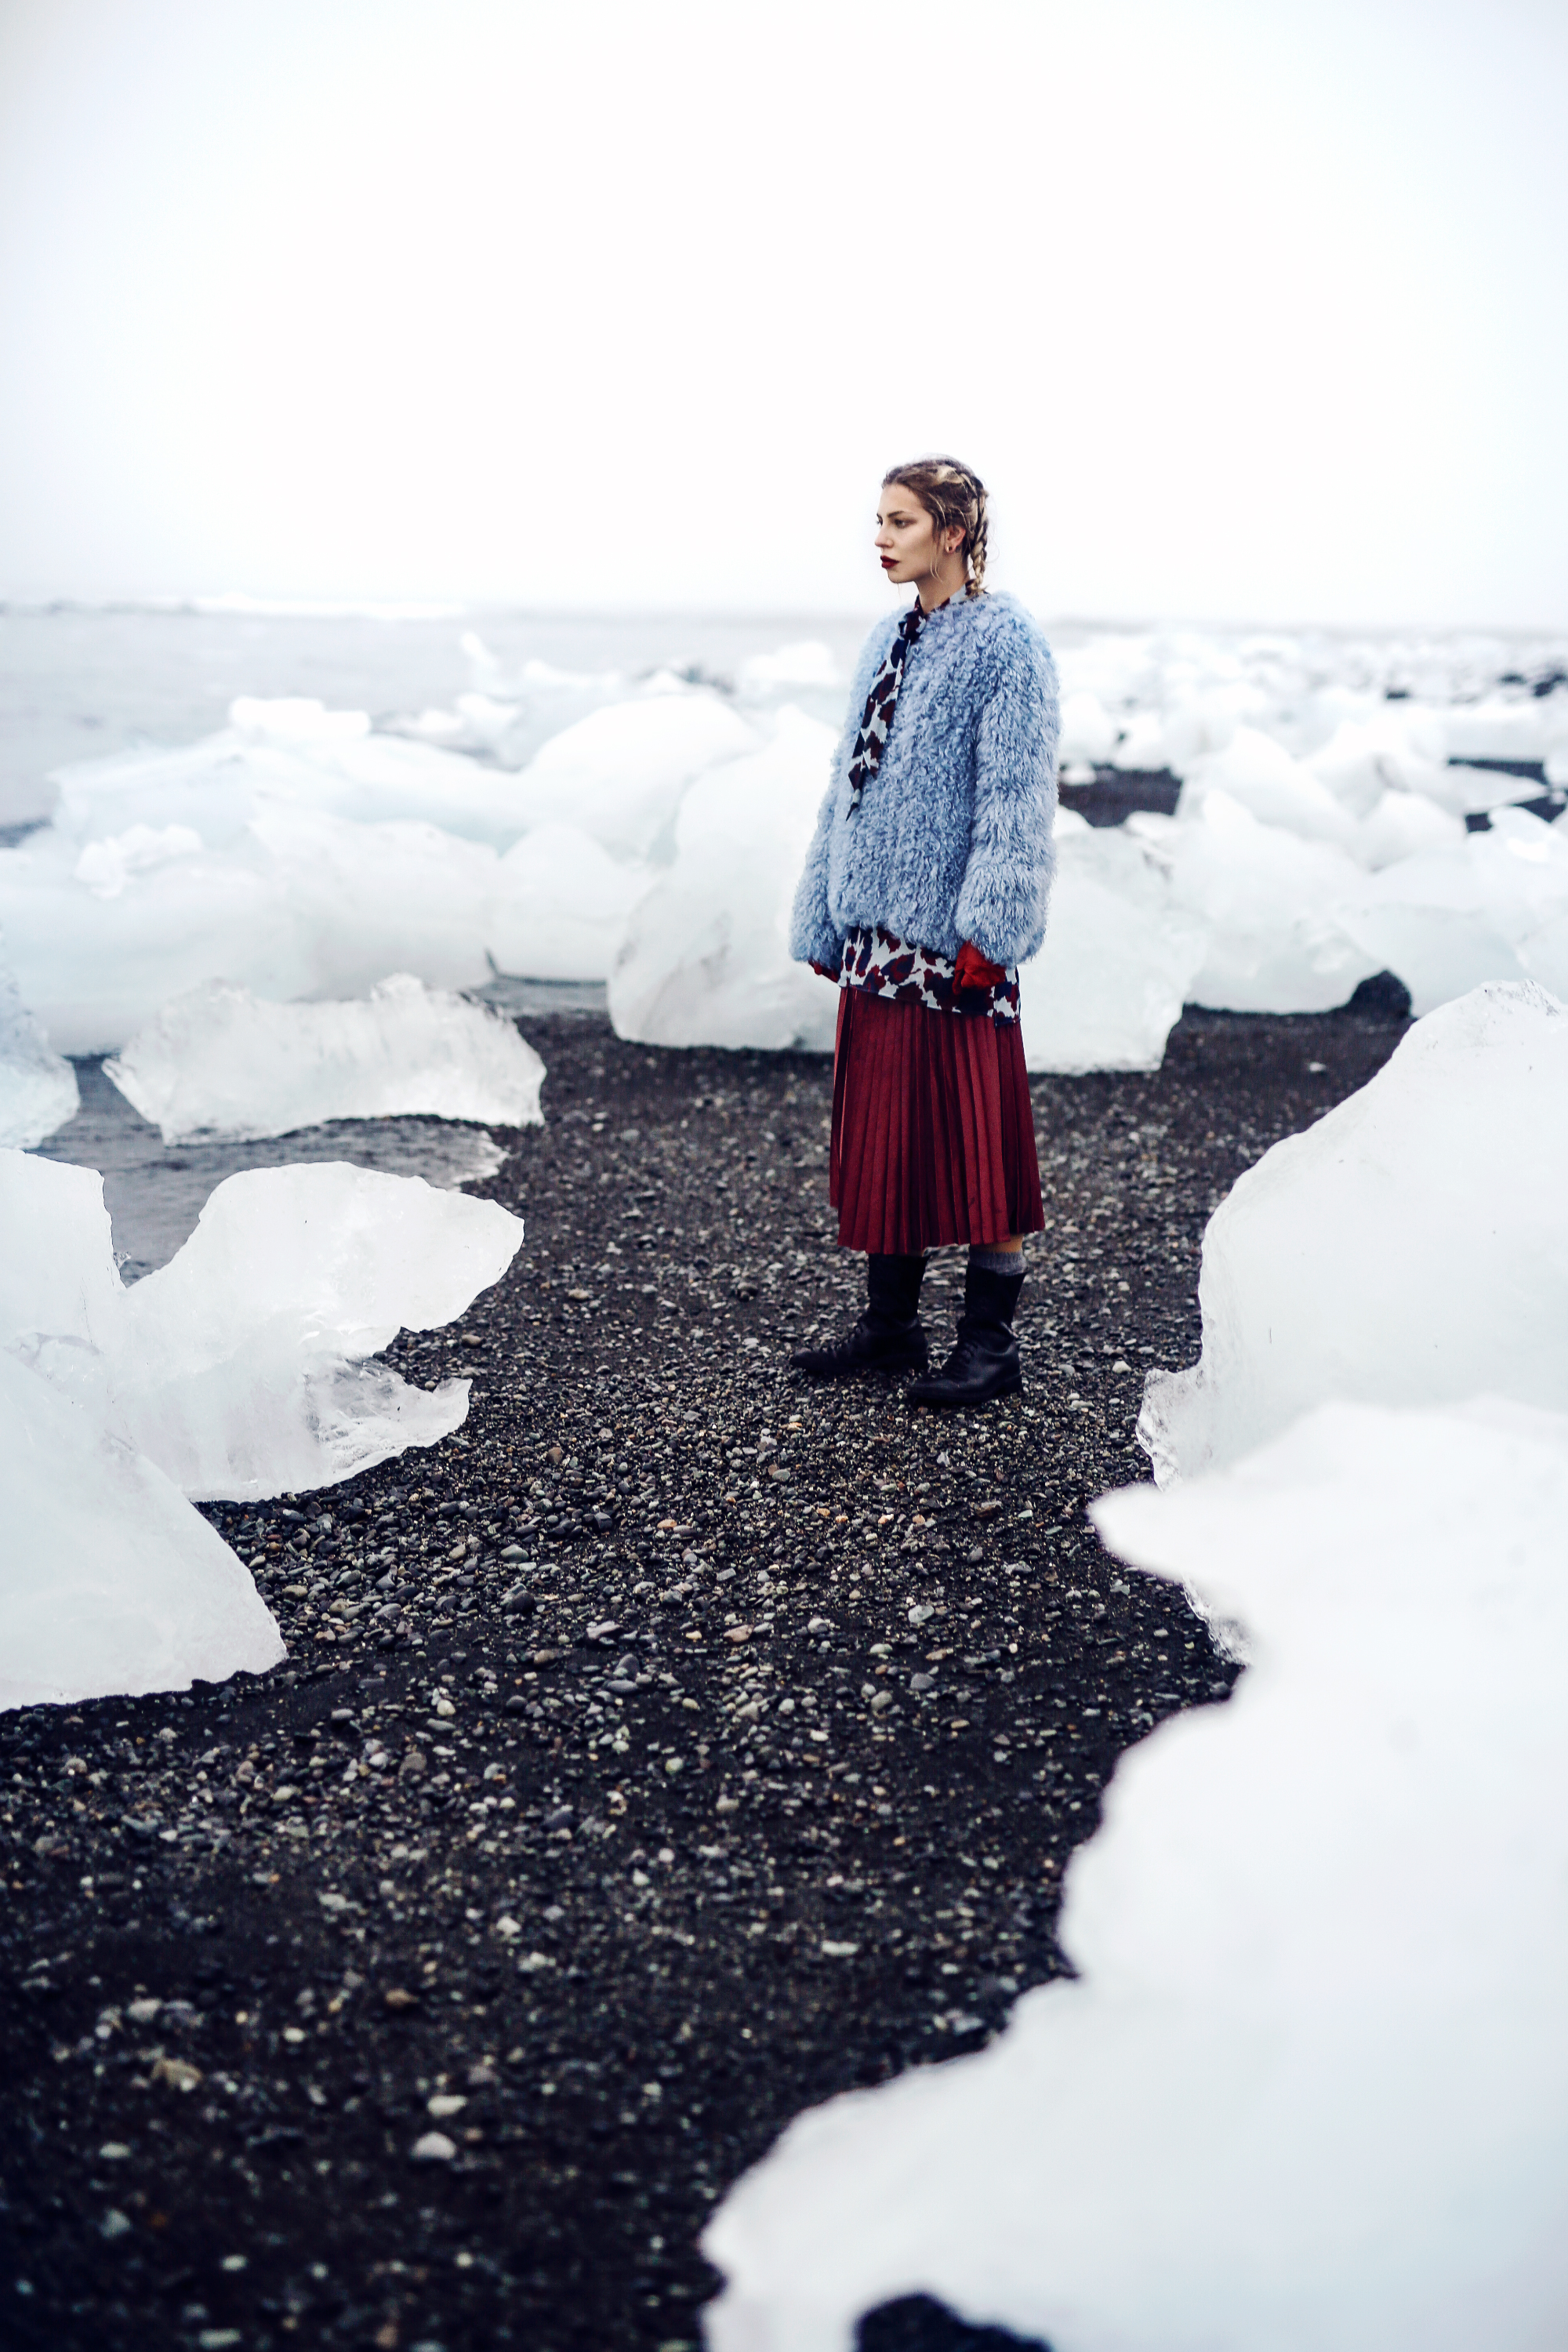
pixel 109 1582
pixel 38 1088
pixel 1411 1247
pixel 1271 904
pixel 107 865
pixel 1399 747
pixel 94 969
pixel 809 663
pixel 1088 732
pixel 706 958
pixel 1526 727
pixel 1403 824
pixel 366 900
pixel 511 713
pixel 558 905
pixel 1118 959
pixel 222 1062
pixel 291 751
pixel 249 1346
pixel 1259 774
pixel 297 854
pixel 61 1299
pixel 1488 906
pixel 1299 2097
pixel 239 1368
pixel 619 774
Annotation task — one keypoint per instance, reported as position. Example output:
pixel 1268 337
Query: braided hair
pixel 954 498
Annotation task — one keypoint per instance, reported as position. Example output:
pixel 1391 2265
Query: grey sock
pixel 995 1261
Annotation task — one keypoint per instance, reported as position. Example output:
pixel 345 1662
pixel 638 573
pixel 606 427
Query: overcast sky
pixel 1245 311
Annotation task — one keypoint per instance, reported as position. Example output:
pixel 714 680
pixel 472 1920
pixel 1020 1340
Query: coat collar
pixel 960 609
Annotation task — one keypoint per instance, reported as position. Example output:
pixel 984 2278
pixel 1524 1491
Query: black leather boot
pixel 888 1338
pixel 985 1361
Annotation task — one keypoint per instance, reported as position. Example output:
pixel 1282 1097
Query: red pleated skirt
pixel 934 1136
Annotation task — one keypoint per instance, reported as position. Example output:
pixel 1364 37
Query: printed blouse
pixel 877 715
pixel 883 966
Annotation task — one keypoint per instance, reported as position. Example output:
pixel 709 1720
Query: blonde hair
pixel 954 498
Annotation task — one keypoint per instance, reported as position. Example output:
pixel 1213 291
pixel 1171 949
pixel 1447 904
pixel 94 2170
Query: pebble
pixel 177 2073
pixel 434 2148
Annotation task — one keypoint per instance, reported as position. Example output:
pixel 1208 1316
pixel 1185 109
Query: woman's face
pixel 907 544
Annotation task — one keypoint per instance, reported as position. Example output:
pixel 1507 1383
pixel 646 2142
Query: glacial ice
pixel 1119 958
pixel 1410 1247
pixel 510 714
pixel 1260 775
pixel 705 960
pixel 303 852
pixel 107 865
pixel 1394 748
pixel 94 970
pixel 1089 733
pixel 38 1088
pixel 809 663
pixel 1309 2090
pixel 1402 824
pixel 367 899
pixel 621 772
pixel 269 756
pixel 239 1368
pixel 559 907
pixel 1271 904
pixel 1488 906
pixel 112 1581
pixel 297 854
pixel 222 1062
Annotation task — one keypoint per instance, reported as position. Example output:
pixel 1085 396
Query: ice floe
pixel 534 829
pixel 1303 2094
pixel 221 1062
pixel 1410 1247
pixel 1120 956
pixel 559 904
pixel 705 960
pixel 1272 905
pixel 112 1581
pixel 241 1367
pixel 1490 906
pixel 1260 775
pixel 37 1086
pixel 622 773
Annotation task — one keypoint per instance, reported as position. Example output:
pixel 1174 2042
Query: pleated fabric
pixel 934 1136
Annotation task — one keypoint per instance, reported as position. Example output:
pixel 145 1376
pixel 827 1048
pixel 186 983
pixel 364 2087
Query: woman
pixel 924 889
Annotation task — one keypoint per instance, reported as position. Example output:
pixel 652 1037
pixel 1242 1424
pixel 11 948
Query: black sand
pixel 619 1901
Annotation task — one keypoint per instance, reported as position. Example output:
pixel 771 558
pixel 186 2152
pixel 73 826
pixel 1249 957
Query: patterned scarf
pixel 877 715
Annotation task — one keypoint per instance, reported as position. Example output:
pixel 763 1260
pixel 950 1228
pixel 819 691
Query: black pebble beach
pixel 676 1746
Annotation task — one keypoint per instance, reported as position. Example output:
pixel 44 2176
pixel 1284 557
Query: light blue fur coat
pixel 952 840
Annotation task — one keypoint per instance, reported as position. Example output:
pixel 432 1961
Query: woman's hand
pixel 974 970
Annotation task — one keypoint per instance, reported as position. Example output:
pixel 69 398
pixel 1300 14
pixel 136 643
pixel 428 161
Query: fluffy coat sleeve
pixel 1012 858
pixel 814 936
